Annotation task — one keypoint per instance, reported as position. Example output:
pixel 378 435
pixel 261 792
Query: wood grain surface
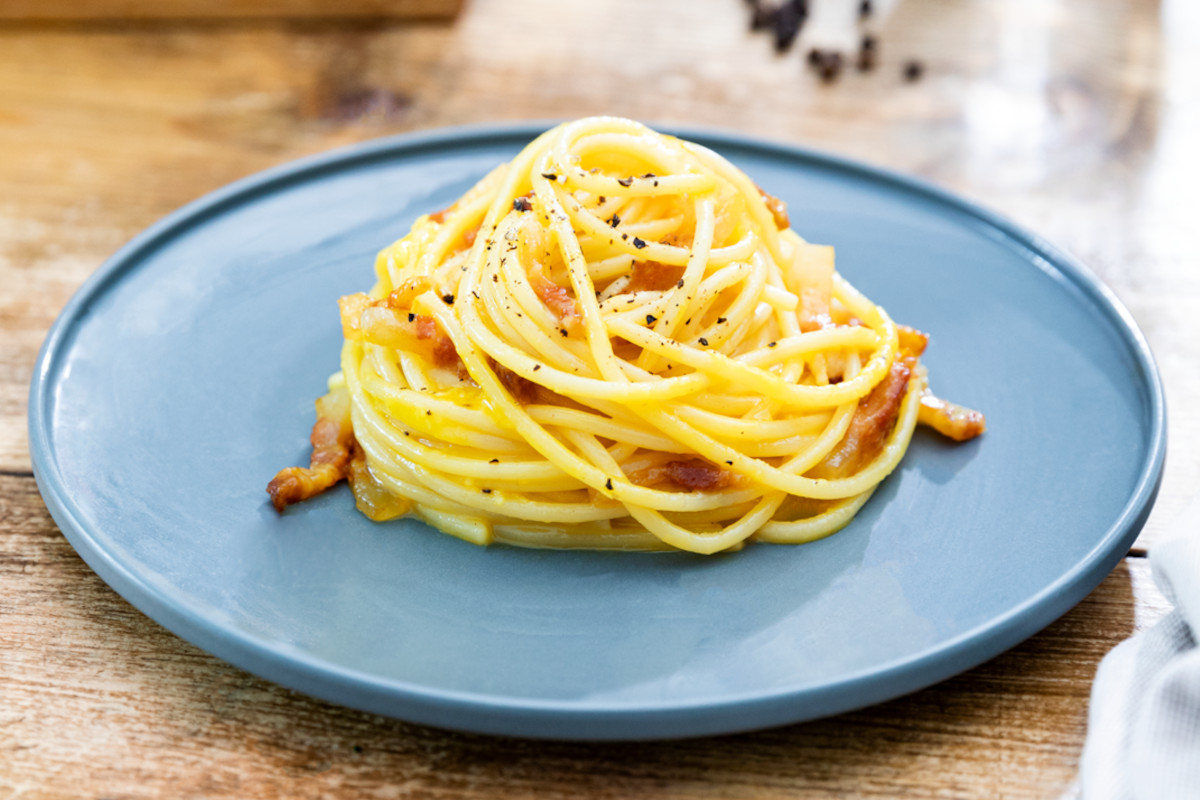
pixel 195 10
pixel 1077 119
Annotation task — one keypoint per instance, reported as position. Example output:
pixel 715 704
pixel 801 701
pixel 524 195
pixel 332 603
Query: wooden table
pixel 1078 118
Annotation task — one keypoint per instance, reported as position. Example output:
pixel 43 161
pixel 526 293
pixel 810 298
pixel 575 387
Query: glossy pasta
pixel 616 341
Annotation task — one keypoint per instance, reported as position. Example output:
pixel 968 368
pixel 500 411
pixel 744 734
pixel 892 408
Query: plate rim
pixel 482 712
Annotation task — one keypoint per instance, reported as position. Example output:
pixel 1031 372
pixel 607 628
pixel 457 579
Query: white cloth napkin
pixel 1143 740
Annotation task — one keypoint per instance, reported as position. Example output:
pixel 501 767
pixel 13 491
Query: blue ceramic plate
pixel 182 375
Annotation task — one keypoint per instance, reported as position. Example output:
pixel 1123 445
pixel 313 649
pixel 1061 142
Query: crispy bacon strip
pixel 912 342
pixel 778 209
pixel 695 474
pixel 443 351
pixel 555 297
pixel 698 475
pixel 523 390
pixel 653 276
pixel 380 323
pixel 333 443
pixel 950 419
pixel 558 299
pixel 869 427
pixel 376 502
pixel 401 298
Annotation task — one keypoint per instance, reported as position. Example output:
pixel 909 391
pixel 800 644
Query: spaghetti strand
pixel 616 340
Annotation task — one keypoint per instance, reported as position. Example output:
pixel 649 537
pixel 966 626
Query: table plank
pixel 125 10
pixel 95 695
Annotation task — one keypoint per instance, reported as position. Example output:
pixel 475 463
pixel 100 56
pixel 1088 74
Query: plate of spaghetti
pixel 618 434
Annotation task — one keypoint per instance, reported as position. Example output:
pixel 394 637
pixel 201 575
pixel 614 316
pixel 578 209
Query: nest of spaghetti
pixel 617 341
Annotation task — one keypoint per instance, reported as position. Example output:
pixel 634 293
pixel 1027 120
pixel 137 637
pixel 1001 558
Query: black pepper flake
pixel 448 299
pixel 772 344
pixel 614 220
pixel 721 320
pixel 788 21
pixel 625 181
pixel 495 278
pixel 867 54
pixel 494 461
pixel 608 484
pixel 536 367
pixel 625 236
pixel 687 321
pixel 864 9
pixel 487 491
pixel 763 17
pixel 679 286
pixel 649 175
pixel 830 67
pixel 730 463
pixel 428 413
pixel 651 319
pixel 913 71
pixel 522 204
pixel 704 341
pixel 406 433
pixel 411 316
pixel 475 294
pixel 550 176
pixel 562 331
pixel 602 199
pixel 638 243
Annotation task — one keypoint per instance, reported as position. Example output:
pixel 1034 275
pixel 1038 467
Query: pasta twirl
pixel 617 341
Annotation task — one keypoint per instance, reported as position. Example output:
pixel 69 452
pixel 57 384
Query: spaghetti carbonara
pixel 617 341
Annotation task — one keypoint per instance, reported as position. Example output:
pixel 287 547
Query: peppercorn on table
pixel 1075 119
